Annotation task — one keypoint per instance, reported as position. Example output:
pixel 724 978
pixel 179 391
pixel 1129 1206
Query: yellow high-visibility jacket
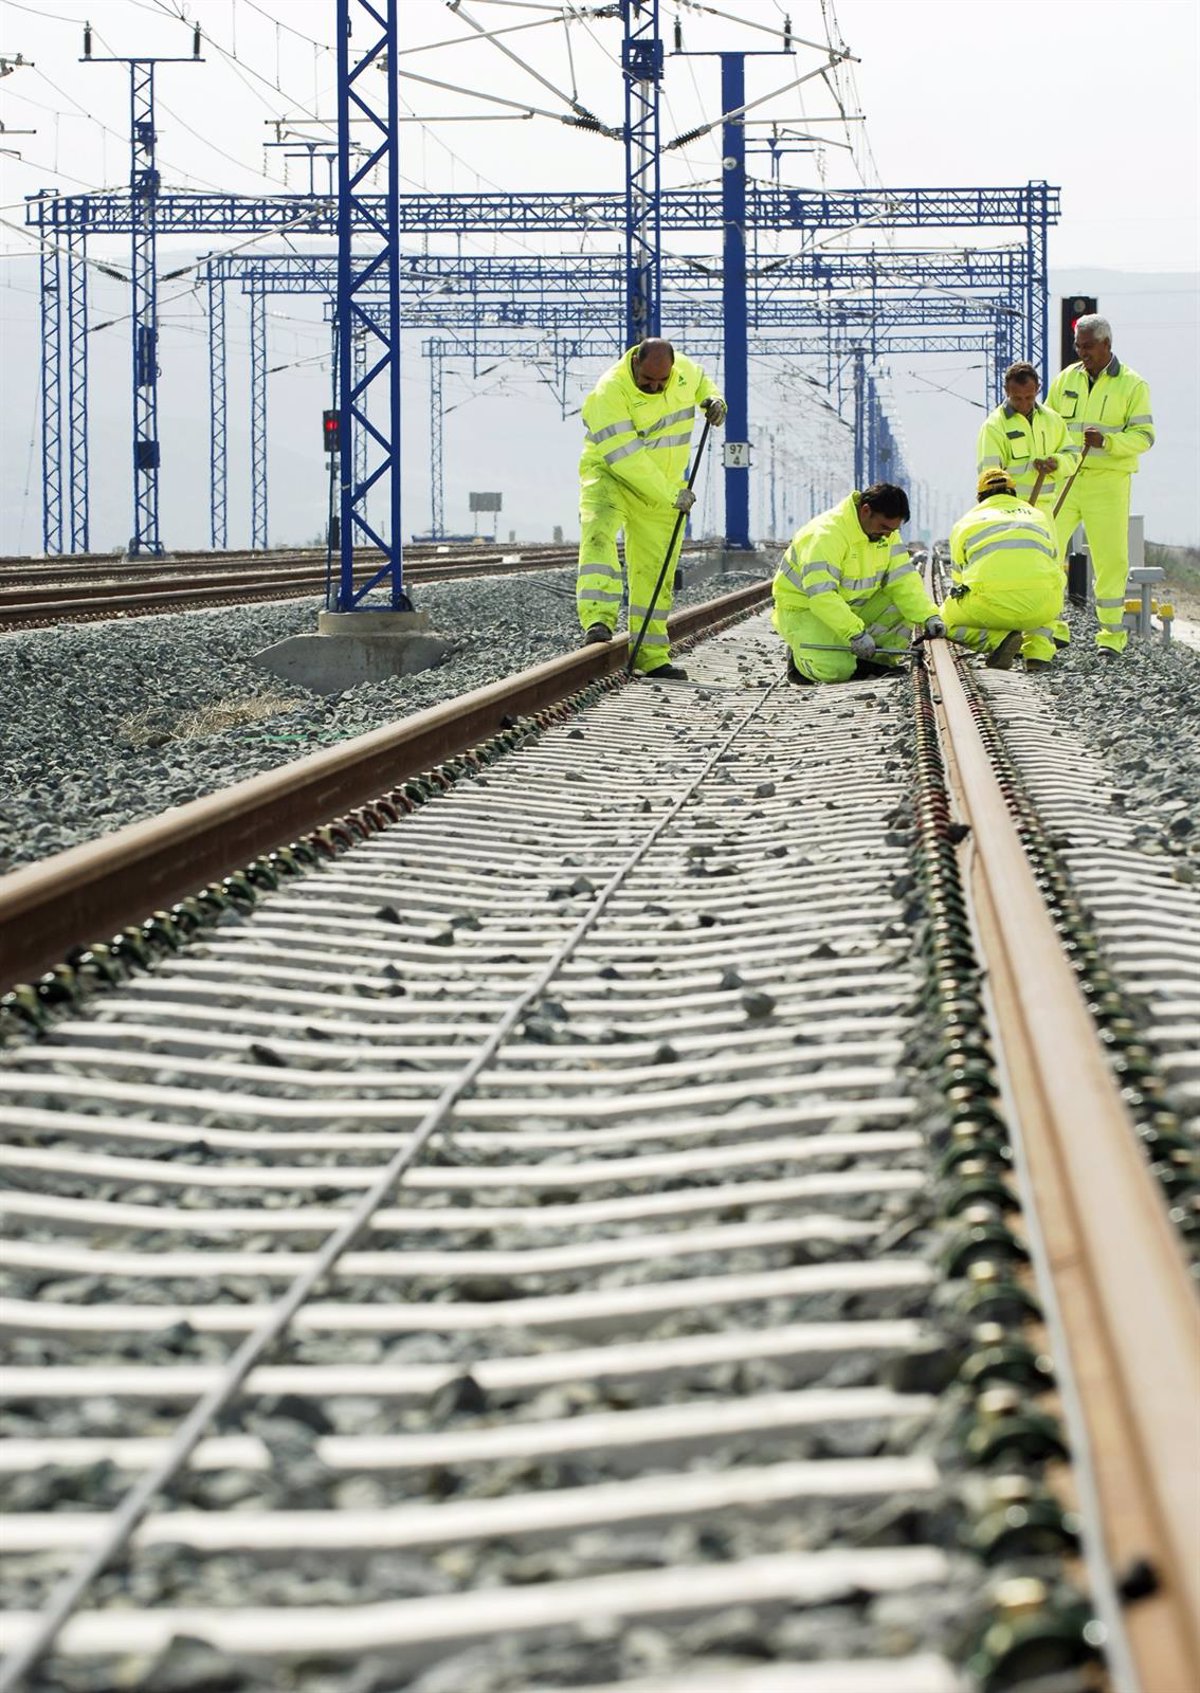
pixel 1117 404
pixel 642 440
pixel 831 569
pixel 1012 442
pixel 1005 539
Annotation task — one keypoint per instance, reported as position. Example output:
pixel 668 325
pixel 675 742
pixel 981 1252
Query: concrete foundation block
pixel 331 663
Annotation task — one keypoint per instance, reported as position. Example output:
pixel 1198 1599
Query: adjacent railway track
pixel 624 1202
pixel 40 594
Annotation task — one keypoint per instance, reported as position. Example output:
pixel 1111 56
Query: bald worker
pixel 632 477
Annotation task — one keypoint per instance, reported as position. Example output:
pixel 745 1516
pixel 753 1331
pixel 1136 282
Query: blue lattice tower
pixel 642 68
pixel 51 375
pixel 733 296
pixel 861 401
pixel 258 418
pixel 371 99
pixel 218 478
pixel 145 186
pixel 437 485
pixel 1041 206
pixel 76 470
pixel 360 437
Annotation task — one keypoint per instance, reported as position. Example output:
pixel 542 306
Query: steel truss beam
pixel 1026 208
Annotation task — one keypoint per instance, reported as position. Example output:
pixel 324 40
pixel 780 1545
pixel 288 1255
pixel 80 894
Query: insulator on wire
pixel 679 35
pixel 787 34
pixel 196 42
pixel 87 41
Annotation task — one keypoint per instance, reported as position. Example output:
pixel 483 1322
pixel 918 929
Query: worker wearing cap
pixel 1007 577
pixel 1024 438
pixel 633 476
pixel 1106 408
pixel 847 591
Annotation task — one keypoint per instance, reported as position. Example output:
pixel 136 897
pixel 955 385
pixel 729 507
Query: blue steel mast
pixel 217 471
pixel 258 418
pixel 144 185
pixel 358 281
pixel 77 380
pixel 642 66
pixel 51 370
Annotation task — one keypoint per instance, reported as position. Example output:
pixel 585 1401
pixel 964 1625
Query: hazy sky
pixel 1099 99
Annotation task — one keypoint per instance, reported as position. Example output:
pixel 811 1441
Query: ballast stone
pixel 353 647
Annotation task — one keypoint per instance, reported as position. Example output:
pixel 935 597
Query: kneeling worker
pixel 847 586
pixel 1008 581
pixel 632 476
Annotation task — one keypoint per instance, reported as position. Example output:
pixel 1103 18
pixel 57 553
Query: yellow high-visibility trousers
pixel 995 604
pixel 1101 503
pixel 603 511
pixel 805 633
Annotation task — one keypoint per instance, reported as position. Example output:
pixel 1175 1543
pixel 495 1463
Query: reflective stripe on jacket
pixel 831 567
pixel 642 440
pixel 1005 539
pixel 1012 442
pixel 1117 404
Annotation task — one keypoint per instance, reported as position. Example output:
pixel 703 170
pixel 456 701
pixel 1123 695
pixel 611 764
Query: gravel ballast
pixel 109 723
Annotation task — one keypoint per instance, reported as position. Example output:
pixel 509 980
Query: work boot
pixel 1001 657
pixel 794 675
pixel 1037 664
pixel 666 673
pixel 595 633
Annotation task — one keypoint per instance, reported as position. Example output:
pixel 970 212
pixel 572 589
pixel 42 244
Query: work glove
pixel 934 627
pixel 684 500
pixel 714 410
pixel 862 645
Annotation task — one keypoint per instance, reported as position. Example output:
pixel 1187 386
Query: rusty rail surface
pixel 90 892
pixel 1126 1305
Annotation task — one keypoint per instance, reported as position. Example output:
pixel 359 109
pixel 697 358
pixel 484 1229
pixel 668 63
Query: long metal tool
pixel 679 517
pixel 1058 504
pixel 1037 487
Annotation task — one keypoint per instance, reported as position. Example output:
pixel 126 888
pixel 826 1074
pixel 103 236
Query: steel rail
pixel 19 609
pixel 93 891
pixel 124 1521
pixel 1126 1304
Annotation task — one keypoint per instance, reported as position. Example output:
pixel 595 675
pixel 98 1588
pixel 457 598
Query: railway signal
pixel 331 430
pixel 1071 308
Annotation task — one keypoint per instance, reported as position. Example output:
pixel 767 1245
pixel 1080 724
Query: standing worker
pixel 1007 577
pixel 632 476
pixel 847 583
pixel 1106 408
pixel 1024 438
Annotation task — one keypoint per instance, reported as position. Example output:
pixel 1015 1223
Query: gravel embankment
pixel 1141 715
pixel 107 723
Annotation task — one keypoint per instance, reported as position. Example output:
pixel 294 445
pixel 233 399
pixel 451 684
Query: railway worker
pixel 1007 577
pixel 1024 438
pixel 847 587
pixel 1106 408
pixel 632 476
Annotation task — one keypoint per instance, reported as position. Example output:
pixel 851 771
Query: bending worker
pixel 632 476
pixel 1007 577
pixel 1106 408
pixel 1024 438
pixel 847 587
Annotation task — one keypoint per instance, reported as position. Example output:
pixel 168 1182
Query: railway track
pixel 39 594
pixel 635 1210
